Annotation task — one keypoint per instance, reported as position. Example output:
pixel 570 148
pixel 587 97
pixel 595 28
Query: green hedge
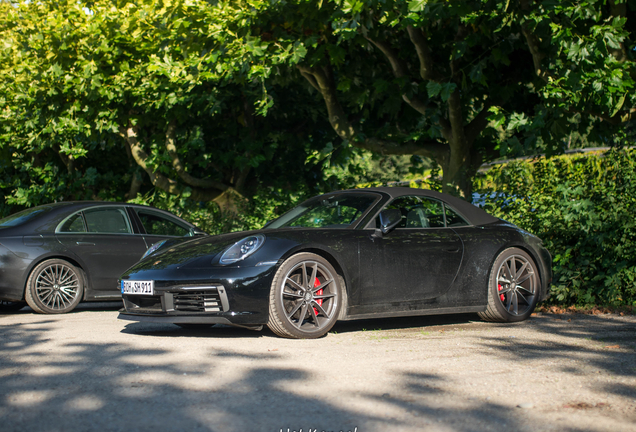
pixel 583 208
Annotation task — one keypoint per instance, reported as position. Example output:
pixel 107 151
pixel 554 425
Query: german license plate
pixel 138 287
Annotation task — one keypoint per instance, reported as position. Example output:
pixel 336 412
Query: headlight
pixel 242 249
pixel 153 248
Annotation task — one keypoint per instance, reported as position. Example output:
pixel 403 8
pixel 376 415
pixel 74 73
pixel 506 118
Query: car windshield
pixel 23 216
pixel 337 210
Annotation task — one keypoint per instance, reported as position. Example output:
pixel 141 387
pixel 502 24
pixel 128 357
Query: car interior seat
pixel 416 219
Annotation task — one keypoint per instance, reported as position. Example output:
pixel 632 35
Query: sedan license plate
pixel 138 287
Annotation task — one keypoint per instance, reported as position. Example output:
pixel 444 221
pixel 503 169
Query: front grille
pixel 198 301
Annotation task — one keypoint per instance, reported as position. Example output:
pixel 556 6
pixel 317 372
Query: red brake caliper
pixel 319 292
pixel 501 296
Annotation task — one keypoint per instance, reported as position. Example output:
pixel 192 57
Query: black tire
pixel 300 308
pixel 513 287
pixel 54 286
pixel 11 306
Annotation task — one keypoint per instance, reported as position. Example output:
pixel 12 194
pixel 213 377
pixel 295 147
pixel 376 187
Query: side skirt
pixel 441 311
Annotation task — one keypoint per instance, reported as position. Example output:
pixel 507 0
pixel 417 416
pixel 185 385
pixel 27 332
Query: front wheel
pixel 305 297
pixel 54 286
pixel 513 287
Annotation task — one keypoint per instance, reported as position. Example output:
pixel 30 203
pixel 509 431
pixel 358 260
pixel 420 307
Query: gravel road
pixel 88 371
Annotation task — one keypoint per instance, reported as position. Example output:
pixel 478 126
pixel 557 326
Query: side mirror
pixel 197 232
pixel 389 219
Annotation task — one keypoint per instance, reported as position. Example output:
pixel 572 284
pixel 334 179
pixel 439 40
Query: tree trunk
pixel 201 189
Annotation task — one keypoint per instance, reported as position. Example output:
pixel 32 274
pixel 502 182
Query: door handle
pixel 85 243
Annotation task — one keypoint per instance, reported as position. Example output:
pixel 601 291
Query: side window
pixel 107 220
pixel 453 219
pixel 157 224
pixel 418 212
pixel 335 216
pixel 434 213
pixel 74 224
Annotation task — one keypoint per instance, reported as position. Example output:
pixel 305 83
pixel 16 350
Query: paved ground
pixel 89 371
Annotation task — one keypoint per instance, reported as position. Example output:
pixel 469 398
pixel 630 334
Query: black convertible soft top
pixel 473 214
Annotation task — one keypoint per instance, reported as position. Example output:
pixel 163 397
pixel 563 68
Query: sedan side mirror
pixel 389 219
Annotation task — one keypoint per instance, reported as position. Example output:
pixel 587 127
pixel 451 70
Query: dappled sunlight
pixel 606 344
pixel 29 398
pixel 425 373
pixel 85 403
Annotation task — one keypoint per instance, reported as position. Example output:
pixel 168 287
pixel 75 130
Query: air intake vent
pixel 208 300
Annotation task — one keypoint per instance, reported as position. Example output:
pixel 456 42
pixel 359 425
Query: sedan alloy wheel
pixel 54 286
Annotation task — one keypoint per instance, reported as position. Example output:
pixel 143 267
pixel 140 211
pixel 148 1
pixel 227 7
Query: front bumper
pixel 233 296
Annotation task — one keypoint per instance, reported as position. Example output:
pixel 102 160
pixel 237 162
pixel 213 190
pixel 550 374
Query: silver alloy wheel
pixel 516 284
pixel 57 286
pixel 309 296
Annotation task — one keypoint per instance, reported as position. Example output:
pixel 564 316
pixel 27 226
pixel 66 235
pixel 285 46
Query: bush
pixel 583 208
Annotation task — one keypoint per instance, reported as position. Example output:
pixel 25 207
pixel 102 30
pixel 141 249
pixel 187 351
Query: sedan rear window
pixel 23 216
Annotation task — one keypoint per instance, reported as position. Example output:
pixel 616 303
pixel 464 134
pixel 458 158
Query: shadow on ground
pixel 101 386
pixel 82 307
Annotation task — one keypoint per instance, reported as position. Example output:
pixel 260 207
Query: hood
pixel 190 252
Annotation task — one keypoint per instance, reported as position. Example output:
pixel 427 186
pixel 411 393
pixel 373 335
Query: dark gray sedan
pixel 54 256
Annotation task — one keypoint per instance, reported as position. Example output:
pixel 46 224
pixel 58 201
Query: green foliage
pixel 355 168
pixel 75 75
pixel 584 54
pixel 224 77
pixel 267 204
pixel 583 208
pixel 518 77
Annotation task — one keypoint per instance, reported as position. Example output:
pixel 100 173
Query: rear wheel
pixel 513 287
pixel 305 297
pixel 54 286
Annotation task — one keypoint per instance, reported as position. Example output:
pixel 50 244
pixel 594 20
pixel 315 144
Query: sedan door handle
pixel 85 243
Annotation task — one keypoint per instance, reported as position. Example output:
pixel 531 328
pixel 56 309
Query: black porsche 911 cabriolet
pixel 363 253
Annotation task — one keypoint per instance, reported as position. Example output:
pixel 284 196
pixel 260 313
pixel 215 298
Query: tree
pixel 103 93
pixel 461 82
pixel 212 100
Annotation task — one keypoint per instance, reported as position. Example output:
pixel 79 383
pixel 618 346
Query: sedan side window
pixel 157 224
pixel 107 220
pixel 74 224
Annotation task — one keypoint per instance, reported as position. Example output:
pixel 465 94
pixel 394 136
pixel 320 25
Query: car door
pixel 416 261
pixel 103 238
